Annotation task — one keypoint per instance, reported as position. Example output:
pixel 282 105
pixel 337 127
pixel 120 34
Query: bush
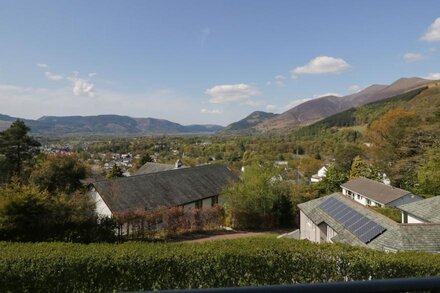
pixel 168 221
pixel 63 267
pixel 28 214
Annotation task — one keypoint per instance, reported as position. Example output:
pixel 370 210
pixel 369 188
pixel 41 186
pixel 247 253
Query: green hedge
pixel 64 267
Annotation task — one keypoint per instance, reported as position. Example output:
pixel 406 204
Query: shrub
pixel 56 267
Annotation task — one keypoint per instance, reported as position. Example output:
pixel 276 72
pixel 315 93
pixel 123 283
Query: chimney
pixel 178 164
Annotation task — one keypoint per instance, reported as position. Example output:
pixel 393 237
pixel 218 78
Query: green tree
pixel 144 158
pixel 428 174
pixel 17 147
pixel 332 181
pixel 359 168
pixel 258 201
pixel 115 172
pixel 59 174
pixel 344 156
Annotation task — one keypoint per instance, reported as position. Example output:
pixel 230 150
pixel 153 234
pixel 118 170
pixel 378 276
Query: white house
pixel 340 219
pixel 195 187
pixel 320 175
pixel 423 211
pixel 373 193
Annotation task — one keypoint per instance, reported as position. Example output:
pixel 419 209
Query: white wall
pixel 360 198
pixel 414 220
pixel 101 208
pixel 308 230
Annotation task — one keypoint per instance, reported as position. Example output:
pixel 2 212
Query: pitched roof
pixel 167 188
pixel 150 167
pixel 427 209
pixel 374 190
pixel 416 237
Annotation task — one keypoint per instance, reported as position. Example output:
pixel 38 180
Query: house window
pixel 198 204
pixel 368 202
pixel 358 196
pixel 214 200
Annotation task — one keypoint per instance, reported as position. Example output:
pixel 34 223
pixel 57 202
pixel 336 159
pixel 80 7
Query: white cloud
pixel 271 107
pixel 433 50
pixel 413 57
pixel 354 88
pixel 321 65
pixel 433 76
pixel 253 103
pixel 211 111
pixel 231 93
pixel 278 81
pixel 92 74
pixel 433 33
pixel 42 65
pixel 52 76
pixel 82 87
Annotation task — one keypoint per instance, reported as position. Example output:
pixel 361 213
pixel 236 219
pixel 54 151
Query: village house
pixel 320 174
pixel 340 219
pixel 195 187
pixel 423 211
pixel 372 193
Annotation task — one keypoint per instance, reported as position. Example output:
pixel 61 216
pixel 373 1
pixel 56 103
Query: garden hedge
pixel 66 267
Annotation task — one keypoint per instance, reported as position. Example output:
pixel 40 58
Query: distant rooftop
pixel 415 237
pixel 149 167
pixel 374 190
pixel 427 209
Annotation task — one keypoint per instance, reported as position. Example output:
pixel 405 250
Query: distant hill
pixel 317 109
pixel 107 125
pixel 247 124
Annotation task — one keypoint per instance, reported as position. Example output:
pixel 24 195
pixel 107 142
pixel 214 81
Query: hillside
pixel 394 133
pixel 106 125
pixel 247 124
pixel 317 109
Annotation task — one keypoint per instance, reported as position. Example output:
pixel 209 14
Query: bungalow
pixel 423 211
pixel 337 218
pixel 373 193
pixel 195 187
pixel 320 175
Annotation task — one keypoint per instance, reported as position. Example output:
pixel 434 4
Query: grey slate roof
pixel 375 190
pixel 167 188
pixel 427 209
pixel 153 168
pixel 417 237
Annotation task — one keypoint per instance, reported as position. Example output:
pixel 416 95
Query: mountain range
pixel 319 108
pixel 107 125
pixel 301 115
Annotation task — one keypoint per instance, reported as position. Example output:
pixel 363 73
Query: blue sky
pixel 205 61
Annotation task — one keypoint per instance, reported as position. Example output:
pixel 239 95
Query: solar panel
pixel 362 227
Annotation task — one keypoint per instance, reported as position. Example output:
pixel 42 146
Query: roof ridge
pixel 152 174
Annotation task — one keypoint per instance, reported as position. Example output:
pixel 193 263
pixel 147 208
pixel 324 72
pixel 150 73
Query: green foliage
pixel 258 201
pixel 392 213
pixel 59 174
pixel 359 168
pixel 27 214
pixel 332 181
pixel 64 267
pixel 115 172
pixel 17 147
pixel 344 156
pixel 428 173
